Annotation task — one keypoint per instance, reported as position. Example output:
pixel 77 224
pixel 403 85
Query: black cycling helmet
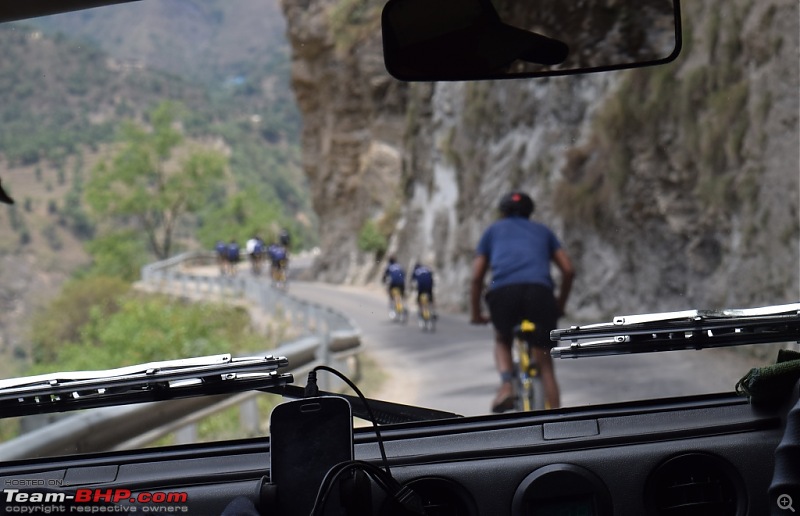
pixel 516 203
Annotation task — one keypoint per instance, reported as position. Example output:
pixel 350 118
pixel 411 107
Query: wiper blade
pixel 153 381
pixel 174 379
pixel 689 329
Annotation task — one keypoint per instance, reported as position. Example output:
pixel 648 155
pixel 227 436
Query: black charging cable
pixel 404 496
pixel 311 389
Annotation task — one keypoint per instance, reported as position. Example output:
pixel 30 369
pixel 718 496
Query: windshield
pixel 245 177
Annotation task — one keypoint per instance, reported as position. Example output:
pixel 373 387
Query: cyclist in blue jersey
pixel 222 256
pixel 519 252
pixel 422 278
pixel 279 258
pixel 233 256
pixel 394 277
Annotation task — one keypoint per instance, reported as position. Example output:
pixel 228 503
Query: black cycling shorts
pixel 425 291
pixel 400 286
pixel 510 304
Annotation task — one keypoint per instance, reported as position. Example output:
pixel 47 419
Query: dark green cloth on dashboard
pixel 774 381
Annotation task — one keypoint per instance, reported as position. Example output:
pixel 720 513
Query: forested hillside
pixel 71 84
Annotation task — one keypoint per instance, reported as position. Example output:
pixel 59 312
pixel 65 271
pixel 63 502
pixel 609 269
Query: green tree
pixel 155 179
pixel 371 240
pixel 118 254
pixel 242 216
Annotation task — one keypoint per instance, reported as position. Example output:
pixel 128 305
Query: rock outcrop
pixel 671 187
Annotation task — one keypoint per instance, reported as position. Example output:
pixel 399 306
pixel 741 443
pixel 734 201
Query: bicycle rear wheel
pixel 529 394
pixel 528 389
pixel 426 319
pixel 537 393
pixel 395 305
pixel 519 392
pixel 519 378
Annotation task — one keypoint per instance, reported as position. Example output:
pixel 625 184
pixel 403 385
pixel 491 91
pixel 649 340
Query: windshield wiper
pixel 689 329
pixel 174 379
pixel 154 381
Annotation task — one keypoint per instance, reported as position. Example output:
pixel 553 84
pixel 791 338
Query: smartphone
pixel 307 438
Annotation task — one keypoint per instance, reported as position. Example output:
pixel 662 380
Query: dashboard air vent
pixel 441 497
pixel 695 484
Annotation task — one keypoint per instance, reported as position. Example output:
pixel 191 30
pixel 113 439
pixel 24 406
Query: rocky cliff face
pixel 671 187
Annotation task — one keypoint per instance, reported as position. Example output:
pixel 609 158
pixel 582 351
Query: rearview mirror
pixel 441 40
pixel 11 10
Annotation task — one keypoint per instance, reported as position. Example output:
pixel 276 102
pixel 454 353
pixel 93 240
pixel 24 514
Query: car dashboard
pixel 710 455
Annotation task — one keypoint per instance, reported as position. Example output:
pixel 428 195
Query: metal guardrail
pixel 328 337
pixel 175 276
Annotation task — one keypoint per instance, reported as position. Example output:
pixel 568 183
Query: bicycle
pixel 256 260
pixel 526 381
pixel 427 321
pixel 279 275
pixel 398 311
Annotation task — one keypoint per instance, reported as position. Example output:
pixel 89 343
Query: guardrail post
pixel 308 317
pixel 187 434
pixel 249 417
pixel 324 357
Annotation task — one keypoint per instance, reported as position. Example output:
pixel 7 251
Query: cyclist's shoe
pixel 504 401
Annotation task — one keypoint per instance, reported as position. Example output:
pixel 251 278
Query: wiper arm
pixel 385 412
pixel 689 329
pixel 154 381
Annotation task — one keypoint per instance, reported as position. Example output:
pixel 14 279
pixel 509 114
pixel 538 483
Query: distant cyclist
pixel 222 256
pixel 519 253
pixel 283 238
pixel 279 259
pixel 255 251
pixel 232 256
pixel 422 279
pixel 394 277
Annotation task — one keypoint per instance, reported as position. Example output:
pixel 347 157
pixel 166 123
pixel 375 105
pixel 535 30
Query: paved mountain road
pixel 453 368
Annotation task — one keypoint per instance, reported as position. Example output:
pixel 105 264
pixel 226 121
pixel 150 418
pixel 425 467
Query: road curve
pixel 453 369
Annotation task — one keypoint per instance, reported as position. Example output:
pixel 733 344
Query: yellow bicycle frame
pixel 525 362
pixel 279 273
pixel 398 300
pixel 424 306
